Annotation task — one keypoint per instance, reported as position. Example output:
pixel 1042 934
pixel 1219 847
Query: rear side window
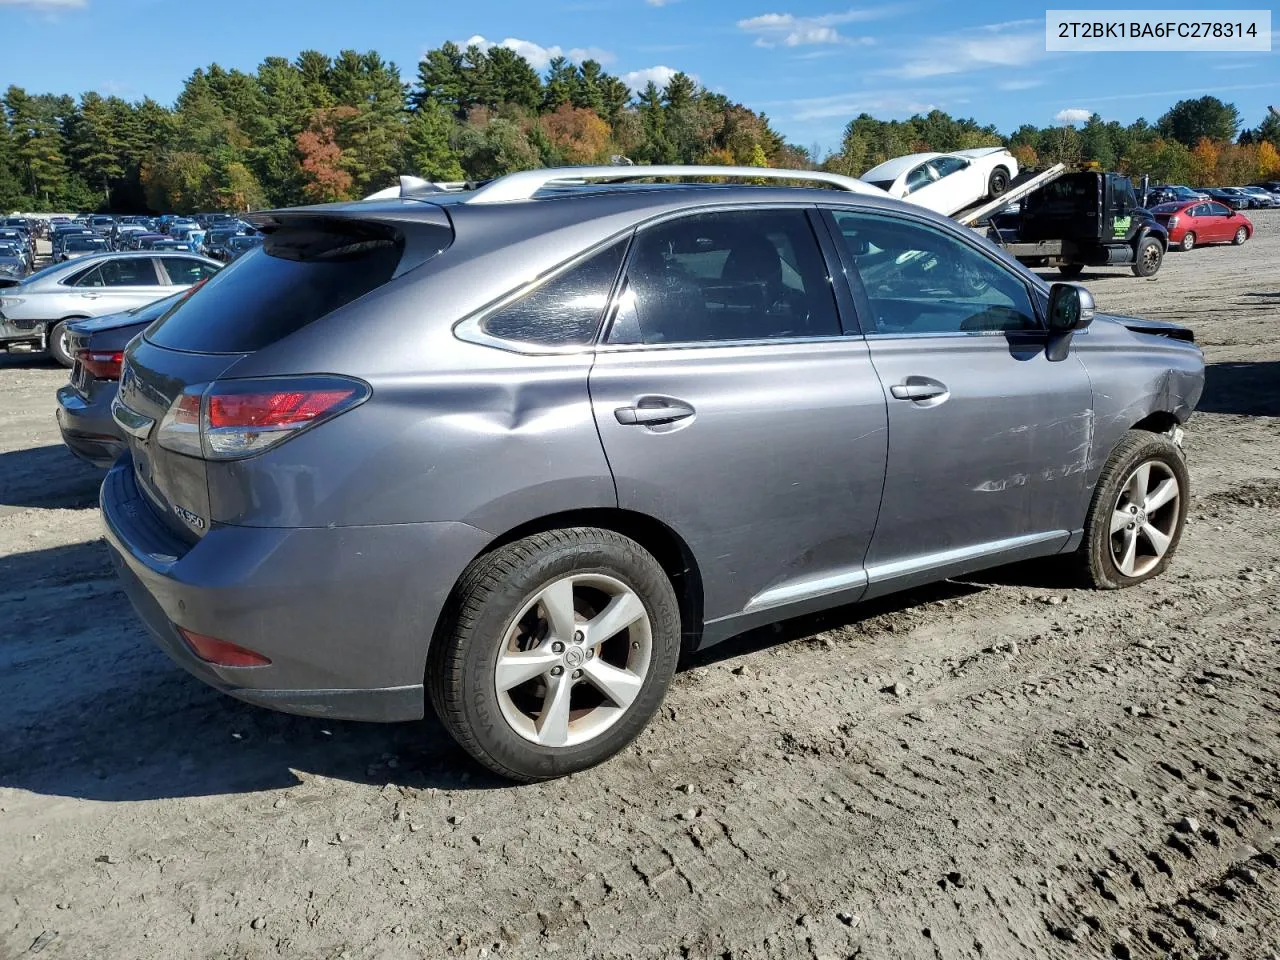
pixel 565 310
pixel 299 274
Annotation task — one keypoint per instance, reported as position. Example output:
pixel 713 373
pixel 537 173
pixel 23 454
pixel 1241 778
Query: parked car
pixel 84 404
pixel 633 422
pixel 35 313
pixel 238 246
pixel 13 264
pixel 1191 224
pixel 1262 198
pixel 1174 193
pixel 946 182
pixel 75 247
pixel 1226 197
pixel 167 243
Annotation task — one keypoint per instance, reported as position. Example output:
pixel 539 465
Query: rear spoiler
pixel 423 228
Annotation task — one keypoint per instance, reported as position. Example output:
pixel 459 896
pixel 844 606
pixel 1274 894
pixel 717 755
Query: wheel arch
pixel 667 546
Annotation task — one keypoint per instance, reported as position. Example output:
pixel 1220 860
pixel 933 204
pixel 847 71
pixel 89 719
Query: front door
pixel 733 408
pixel 988 439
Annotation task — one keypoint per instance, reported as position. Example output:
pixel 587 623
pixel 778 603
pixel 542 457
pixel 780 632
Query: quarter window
pixel 184 272
pixel 740 275
pixel 920 280
pixel 565 310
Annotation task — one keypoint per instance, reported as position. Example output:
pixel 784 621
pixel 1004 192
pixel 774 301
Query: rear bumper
pixel 345 613
pixel 87 428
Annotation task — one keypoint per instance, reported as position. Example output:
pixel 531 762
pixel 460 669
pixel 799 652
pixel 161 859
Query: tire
pixel 56 342
pixel 1188 241
pixel 1071 269
pixel 998 183
pixel 1148 258
pixel 500 611
pixel 1241 236
pixel 1107 562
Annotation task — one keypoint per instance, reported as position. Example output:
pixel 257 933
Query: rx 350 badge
pixel 188 517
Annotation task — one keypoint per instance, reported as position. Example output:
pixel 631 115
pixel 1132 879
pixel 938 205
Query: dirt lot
pixel 1061 773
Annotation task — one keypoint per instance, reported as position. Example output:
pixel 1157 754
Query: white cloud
pixel 1009 44
pixel 537 55
pixel 851 104
pixel 1028 83
pixel 44 4
pixel 637 80
pixel 1072 115
pixel 789 30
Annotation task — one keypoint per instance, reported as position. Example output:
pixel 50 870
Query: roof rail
pixel 526 184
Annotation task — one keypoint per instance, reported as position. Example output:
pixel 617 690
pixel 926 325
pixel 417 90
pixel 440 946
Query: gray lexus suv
pixel 511 450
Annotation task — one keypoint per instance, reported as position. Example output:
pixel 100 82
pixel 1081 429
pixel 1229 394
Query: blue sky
pixel 810 65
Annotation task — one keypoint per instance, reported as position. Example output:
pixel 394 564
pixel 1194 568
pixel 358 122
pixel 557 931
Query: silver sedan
pixel 34 313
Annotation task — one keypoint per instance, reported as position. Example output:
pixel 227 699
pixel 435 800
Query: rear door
pixel 733 407
pixel 120 283
pixel 988 439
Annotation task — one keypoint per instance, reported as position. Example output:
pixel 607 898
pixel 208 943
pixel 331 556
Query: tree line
pixel 320 128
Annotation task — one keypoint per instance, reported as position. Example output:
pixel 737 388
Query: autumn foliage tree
pixel 578 134
pixel 322 163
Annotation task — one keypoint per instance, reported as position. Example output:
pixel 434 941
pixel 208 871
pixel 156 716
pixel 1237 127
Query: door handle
pixel 653 410
pixel 919 388
pixel 90 296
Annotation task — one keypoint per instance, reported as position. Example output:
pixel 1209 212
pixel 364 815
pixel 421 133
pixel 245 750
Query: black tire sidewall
pixel 1136 448
pixel 998 176
pixel 470 700
pixel 1139 263
pixel 1071 269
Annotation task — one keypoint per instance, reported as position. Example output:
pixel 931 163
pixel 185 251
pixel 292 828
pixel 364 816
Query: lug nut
pixel 557 671
pixel 577 674
pixel 1133 508
pixel 1131 526
pixel 557 647
pixel 590 653
pixel 579 637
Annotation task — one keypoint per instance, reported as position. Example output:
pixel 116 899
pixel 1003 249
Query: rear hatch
pixel 312 262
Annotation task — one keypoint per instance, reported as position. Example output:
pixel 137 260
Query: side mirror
pixel 1070 307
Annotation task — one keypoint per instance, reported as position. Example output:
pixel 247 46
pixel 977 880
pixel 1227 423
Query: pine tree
pixel 428 148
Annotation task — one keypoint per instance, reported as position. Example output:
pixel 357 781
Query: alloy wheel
pixel 573 660
pixel 1144 518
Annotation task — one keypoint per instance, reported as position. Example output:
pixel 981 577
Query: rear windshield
pixel 297 276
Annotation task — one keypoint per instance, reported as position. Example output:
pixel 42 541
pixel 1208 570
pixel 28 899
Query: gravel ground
pixel 1003 767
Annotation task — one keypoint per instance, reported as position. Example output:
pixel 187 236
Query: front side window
pixel 184 272
pixel 945 166
pixel 565 310
pixel 732 276
pixel 921 280
pixel 1218 210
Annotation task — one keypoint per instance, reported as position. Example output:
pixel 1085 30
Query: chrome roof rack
pixel 526 184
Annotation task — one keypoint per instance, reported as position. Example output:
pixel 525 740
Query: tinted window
pixel 749 275
pixel 948 165
pixel 919 177
pixel 1217 210
pixel 299 275
pixel 183 272
pixel 919 279
pixel 564 310
pixel 128 272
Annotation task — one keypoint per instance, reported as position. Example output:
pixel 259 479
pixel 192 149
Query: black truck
pixel 1083 220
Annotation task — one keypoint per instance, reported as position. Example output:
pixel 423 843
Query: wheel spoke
pixel 620 686
pixel 517 668
pixel 1157 539
pixel 1137 488
pixel 1167 491
pixel 553 722
pixel 622 611
pixel 1130 553
pixel 557 602
pixel 1119 520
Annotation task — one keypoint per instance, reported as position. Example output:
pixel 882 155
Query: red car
pixel 1193 222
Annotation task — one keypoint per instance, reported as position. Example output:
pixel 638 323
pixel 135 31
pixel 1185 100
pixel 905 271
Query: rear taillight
pixel 101 364
pixel 1172 222
pixel 231 419
pixel 220 652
